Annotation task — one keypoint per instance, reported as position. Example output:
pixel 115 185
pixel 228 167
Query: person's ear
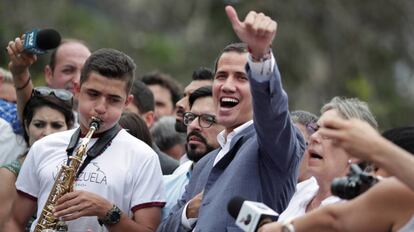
pixel 128 100
pixel 48 75
pixel 149 118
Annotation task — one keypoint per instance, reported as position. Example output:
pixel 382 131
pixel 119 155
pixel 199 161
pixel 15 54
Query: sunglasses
pixel 204 120
pixel 60 94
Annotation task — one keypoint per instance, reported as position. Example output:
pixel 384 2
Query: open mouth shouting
pixel 314 156
pixel 228 102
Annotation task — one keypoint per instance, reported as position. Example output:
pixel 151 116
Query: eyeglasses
pixel 312 128
pixel 60 94
pixel 204 120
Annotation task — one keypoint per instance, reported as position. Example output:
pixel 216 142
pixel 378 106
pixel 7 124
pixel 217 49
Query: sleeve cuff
pixel 264 68
pixel 188 223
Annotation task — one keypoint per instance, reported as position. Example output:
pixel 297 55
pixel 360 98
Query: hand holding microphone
pixel 22 51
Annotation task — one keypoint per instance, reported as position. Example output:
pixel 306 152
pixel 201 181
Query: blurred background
pixel 324 48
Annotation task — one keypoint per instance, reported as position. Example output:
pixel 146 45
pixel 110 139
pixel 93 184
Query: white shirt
pixel 127 174
pixel 225 142
pixel 305 192
pixel 11 144
pixel 409 227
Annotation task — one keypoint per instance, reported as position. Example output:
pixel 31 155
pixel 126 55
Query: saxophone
pixel 64 183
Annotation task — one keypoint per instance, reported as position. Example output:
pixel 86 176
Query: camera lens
pixel 345 188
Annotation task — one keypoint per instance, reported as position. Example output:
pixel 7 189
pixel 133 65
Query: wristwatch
pixel 113 216
pixel 288 227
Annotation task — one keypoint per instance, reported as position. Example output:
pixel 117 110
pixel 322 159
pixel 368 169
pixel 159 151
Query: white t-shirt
pixel 11 144
pixel 127 174
pixel 305 192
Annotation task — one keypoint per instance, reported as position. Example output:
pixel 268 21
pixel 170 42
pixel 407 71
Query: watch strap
pixel 112 217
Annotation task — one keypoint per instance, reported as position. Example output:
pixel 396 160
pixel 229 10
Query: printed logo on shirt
pixel 91 174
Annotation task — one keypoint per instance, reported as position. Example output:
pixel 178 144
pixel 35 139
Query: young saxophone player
pixel 119 185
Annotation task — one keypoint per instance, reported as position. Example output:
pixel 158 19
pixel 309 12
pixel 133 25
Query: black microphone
pixel 250 215
pixel 38 41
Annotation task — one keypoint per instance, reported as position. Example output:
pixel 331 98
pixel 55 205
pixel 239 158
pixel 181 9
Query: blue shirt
pixel 8 112
pixel 174 186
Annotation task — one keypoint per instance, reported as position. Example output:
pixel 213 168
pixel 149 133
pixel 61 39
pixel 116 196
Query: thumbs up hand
pixel 257 30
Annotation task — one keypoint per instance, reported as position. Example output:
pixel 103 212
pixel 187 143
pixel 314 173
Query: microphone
pixel 250 215
pixel 38 41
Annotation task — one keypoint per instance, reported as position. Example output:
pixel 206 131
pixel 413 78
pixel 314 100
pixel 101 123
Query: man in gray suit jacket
pixel 260 147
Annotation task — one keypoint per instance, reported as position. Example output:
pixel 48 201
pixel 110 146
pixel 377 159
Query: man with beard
pixel 201 77
pixel 202 131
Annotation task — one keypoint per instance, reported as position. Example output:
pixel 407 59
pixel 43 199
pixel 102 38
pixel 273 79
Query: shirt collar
pixel 221 136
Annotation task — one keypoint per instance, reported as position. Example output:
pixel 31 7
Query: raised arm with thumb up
pixel 257 30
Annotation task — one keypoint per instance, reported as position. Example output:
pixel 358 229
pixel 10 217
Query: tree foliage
pixel 324 48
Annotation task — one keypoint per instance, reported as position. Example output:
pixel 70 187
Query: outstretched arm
pixel 385 207
pixel 19 64
pixel 359 139
pixel 277 137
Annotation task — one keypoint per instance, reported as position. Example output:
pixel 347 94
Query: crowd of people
pixel 166 158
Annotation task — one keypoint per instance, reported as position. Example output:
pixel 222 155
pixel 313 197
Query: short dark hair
pixel 203 73
pixel 233 47
pixel 402 137
pixel 204 91
pixel 36 102
pixel 303 117
pixel 111 64
pixel 136 126
pixel 52 60
pixel 166 81
pixel 143 97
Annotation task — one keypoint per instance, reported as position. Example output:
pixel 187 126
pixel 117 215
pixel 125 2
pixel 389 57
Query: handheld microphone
pixel 250 215
pixel 38 41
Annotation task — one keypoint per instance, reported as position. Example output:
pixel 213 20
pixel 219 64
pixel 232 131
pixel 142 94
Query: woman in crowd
pixel 325 160
pixel 388 205
pixel 365 143
pixel 48 111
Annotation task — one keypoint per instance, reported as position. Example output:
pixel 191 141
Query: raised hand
pixel 20 61
pixel 257 30
pixel 357 137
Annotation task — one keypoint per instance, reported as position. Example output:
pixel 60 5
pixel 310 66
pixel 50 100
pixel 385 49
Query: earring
pixel 349 161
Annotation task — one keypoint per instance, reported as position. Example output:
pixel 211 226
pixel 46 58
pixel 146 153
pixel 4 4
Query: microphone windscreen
pixel 48 39
pixel 234 206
